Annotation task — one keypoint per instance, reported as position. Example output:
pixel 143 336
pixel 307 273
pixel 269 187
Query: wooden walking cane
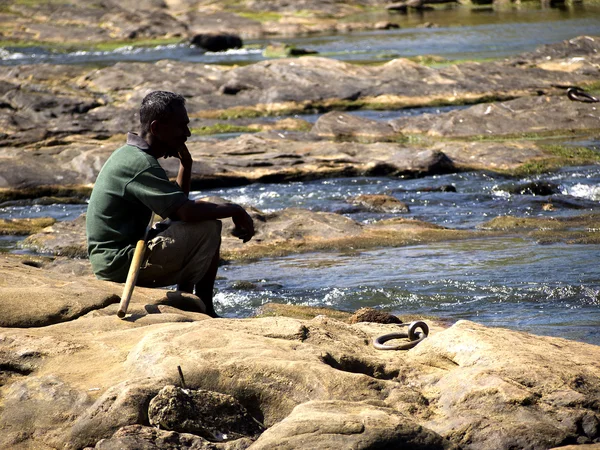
pixel 134 270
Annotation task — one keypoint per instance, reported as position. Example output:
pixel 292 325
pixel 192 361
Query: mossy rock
pixel 23 227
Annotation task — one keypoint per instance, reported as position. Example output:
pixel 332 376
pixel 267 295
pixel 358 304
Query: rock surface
pixel 90 381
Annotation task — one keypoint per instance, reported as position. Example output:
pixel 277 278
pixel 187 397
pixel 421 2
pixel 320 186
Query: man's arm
pixel 185 169
pixel 197 211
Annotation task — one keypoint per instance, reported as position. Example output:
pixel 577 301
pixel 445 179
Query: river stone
pixel 211 415
pixel 380 203
pixel 373 315
pixel 338 424
pixel 340 126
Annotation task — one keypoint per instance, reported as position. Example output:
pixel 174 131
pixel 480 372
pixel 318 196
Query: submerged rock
pixel 380 203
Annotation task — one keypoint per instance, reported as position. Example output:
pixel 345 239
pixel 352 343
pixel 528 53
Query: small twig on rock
pixel 183 386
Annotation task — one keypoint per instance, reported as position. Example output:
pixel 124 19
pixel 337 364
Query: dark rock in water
pixel 380 203
pixel 373 315
pixel 281 50
pixel 214 416
pixel 542 188
pixel 217 42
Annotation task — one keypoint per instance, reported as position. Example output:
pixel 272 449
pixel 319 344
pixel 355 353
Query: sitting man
pixel 132 185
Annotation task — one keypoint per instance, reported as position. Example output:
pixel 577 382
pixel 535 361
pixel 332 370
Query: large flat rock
pixel 71 385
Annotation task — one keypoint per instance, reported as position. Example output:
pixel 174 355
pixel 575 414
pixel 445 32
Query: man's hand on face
pixel 243 225
pixel 183 155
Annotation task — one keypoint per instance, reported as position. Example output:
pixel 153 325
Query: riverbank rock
pixel 90 382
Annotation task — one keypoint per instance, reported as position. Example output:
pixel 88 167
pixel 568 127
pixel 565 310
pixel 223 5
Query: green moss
pixel 21 227
pixel 559 156
pixel 300 312
pixel 261 16
pixel 221 128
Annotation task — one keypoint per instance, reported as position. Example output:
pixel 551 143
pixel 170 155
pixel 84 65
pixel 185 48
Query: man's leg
pixel 186 254
pixel 206 286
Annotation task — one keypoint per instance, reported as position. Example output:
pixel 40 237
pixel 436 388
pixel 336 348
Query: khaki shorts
pixel 180 254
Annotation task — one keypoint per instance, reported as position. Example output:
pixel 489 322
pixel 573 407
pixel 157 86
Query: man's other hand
pixel 243 225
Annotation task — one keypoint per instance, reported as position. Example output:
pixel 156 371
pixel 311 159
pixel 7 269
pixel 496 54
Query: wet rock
pixel 340 126
pixel 380 203
pixel 217 42
pixel 65 238
pixel 527 115
pixel 543 188
pixel 211 415
pixel 363 426
pixel 281 50
pixel 373 315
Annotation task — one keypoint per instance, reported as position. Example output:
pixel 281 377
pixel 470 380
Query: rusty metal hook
pixel 413 335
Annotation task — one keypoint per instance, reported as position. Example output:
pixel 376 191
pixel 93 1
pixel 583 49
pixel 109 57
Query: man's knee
pixel 208 229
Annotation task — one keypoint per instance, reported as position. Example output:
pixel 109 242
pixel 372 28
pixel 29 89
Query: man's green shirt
pixel 129 187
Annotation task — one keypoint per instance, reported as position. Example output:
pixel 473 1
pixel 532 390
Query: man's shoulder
pixel 132 159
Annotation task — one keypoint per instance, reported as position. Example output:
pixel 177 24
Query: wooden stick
pixel 134 270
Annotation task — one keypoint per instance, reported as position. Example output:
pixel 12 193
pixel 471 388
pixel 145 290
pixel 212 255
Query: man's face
pixel 172 132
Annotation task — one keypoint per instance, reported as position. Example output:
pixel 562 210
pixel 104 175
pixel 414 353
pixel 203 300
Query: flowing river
pixel 515 282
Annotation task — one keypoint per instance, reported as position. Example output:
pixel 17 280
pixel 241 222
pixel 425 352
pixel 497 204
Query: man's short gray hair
pixel 158 105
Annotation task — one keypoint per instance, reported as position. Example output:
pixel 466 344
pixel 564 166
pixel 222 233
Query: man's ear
pixel 155 128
